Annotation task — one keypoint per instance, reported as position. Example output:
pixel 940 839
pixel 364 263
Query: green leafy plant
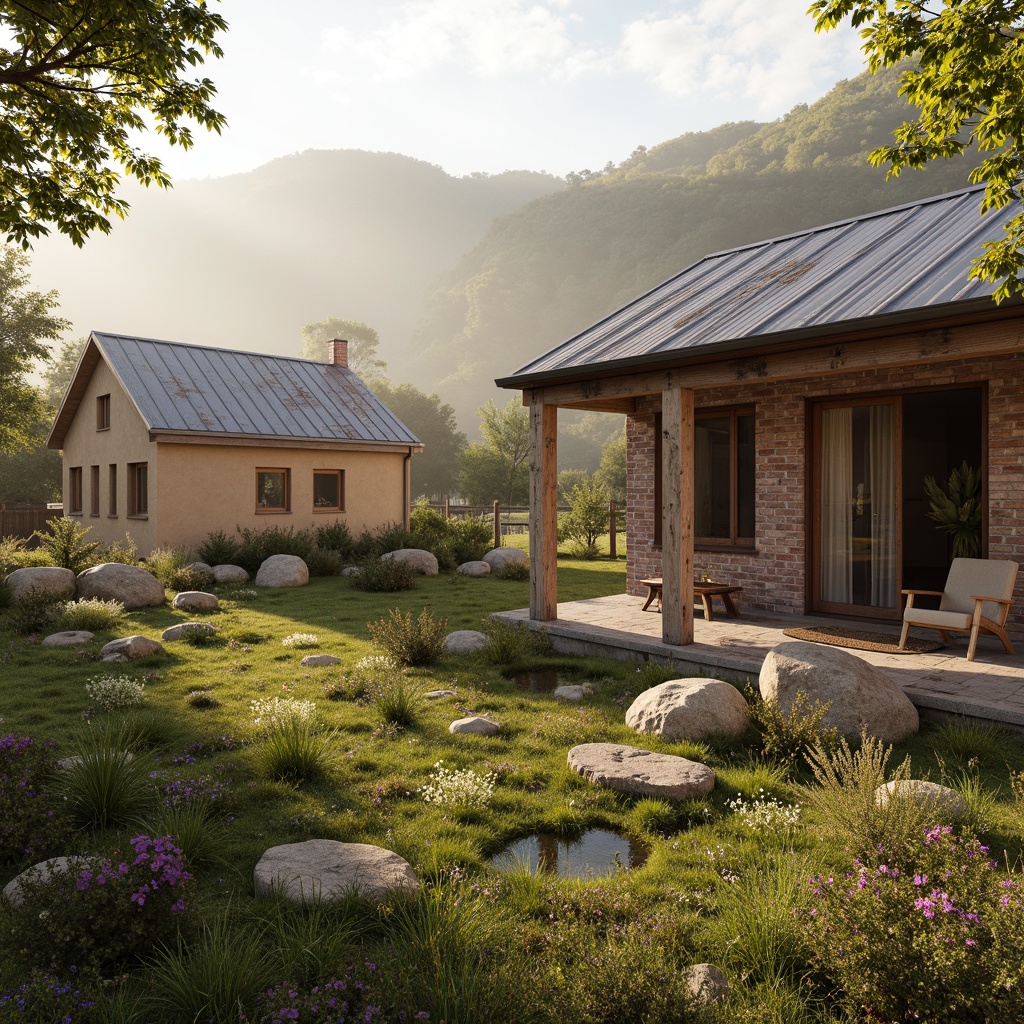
pixel 410 641
pixel 957 509
pixel 64 542
pixel 787 737
pixel 123 551
pixel 165 562
pixel 514 570
pixel 35 612
pixel 218 549
pixel 324 562
pixel 335 536
pixel 509 643
pixel 386 576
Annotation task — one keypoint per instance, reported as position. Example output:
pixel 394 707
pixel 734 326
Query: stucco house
pixel 785 401
pixel 168 442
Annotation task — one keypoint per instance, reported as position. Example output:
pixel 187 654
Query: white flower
pixel 766 814
pixel 301 640
pixel 275 711
pixel 458 787
pixel 113 693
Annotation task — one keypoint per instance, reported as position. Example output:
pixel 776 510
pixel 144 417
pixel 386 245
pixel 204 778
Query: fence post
pixel 447 510
pixel 612 538
pixel 497 525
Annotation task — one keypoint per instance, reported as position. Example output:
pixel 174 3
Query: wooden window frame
pixel 112 491
pixel 103 412
pixel 733 542
pixel 75 491
pixel 263 510
pixel 138 496
pixel 94 491
pixel 339 475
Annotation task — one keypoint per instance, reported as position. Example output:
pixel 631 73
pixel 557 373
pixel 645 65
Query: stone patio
pixel 942 684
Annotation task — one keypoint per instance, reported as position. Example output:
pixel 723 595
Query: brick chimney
pixel 337 352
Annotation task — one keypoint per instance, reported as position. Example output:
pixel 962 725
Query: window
pixel 273 493
pixel 112 490
pixel 328 490
pixel 94 490
pixel 103 412
pixel 138 489
pixel 75 490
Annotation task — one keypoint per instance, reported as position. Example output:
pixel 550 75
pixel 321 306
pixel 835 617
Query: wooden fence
pixel 24 520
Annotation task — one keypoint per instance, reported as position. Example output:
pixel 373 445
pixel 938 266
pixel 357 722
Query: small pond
pixel 597 852
pixel 541 680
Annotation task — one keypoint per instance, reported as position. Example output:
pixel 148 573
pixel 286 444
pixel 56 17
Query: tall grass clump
pixel 165 562
pixel 395 701
pixel 123 551
pixel 293 750
pixel 410 641
pixel 91 614
pixel 509 643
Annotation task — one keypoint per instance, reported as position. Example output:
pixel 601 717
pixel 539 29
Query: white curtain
pixel 837 505
pixel 882 482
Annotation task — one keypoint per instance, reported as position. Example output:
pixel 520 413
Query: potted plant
pixel 957 509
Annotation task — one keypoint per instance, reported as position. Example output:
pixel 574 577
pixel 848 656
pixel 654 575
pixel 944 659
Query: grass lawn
pixel 726 881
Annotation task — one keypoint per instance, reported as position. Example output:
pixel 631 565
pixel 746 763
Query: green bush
pixel 395 702
pixel 335 536
pixel 517 570
pixel 90 614
pixel 324 562
pixel 410 641
pixel 188 578
pixel 164 562
pixel 123 551
pixel 35 612
pixel 587 518
pixel 64 542
pixel 258 545
pixel 383 576
pixel 11 549
pixel 218 549
pixel 509 643
pixel 788 738
pixel 377 542
pixel 452 541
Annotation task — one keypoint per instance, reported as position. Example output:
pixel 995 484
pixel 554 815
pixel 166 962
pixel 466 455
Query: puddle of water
pixel 597 852
pixel 542 680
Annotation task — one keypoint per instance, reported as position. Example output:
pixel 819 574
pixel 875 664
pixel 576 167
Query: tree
pixel 32 474
pixel 362 338
pixel 77 79
pixel 498 465
pixel 26 321
pixel 966 82
pixel 612 471
pixel 435 472
pixel 587 518
pixel 58 372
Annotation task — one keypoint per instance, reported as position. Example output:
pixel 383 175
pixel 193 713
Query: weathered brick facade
pixel 774 576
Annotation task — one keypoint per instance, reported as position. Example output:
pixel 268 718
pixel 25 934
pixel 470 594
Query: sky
pixel 494 85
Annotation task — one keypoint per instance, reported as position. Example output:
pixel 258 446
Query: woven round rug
pixel 862 640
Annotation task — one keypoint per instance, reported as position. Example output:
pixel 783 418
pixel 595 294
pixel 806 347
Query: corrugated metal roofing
pixel 215 390
pixel 911 257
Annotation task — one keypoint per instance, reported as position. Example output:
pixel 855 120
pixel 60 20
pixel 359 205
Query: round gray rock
pixel 283 571
pixel 480 568
pixel 945 802
pixel 475 725
pixel 689 709
pixel 572 692
pixel 438 694
pixel 420 560
pixel 229 574
pixel 132 586
pixel 319 660
pixel 498 558
pixel 632 770
pixel 41 579
pixel 182 628
pixel 44 871
pixel 464 641
pixel 195 601
pixel 351 570
pixel 706 984
pixel 324 869
pixel 861 696
pixel 69 638
pixel 130 647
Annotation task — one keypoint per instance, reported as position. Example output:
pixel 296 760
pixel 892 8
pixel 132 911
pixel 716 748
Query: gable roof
pixel 191 389
pixel 897 266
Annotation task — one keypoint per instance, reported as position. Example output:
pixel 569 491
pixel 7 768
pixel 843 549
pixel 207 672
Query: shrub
pixel 453 541
pixel 46 997
pixel 188 578
pixel 36 612
pixel 293 751
pixel 513 571
pixel 103 912
pixel 335 536
pixel 587 518
pixel 324 562
pixel 115 693
pixel 258 545
pixel 930 934
pixel 64 542
pixel 509 643
pixel 218 549
pixel 386 537
pixel 383 576
pixel 10 550
pixel 122 551
pixel 787 738
pixel 90 614
pixel 410 641
pixel 34 824
pixel 165 562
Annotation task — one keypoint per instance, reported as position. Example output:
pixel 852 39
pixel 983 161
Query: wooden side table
pixel 705 591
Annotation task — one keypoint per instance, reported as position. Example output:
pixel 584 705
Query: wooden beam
pixel 917 348
pixel 543 510
pixel 677 516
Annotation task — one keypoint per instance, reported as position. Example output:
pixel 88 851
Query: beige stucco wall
pixel 126 441
pixel 213 487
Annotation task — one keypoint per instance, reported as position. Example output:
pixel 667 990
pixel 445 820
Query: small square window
pixel 273 493
pixel 328 490
pixel 138 489
pixel 103 412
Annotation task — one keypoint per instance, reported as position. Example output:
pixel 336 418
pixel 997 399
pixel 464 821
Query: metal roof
pixel 855 273
pixel 193 388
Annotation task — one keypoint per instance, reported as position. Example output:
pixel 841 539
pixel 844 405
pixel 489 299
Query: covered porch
pixel 941 684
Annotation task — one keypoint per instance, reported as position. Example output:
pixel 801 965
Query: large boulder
pixel 475 568
pixel 129 647
pixel 112 581
pixel 465 641
pixel 282 571
pixel 689 709
pixel 195 601
pixel 41 579
pixel 44 871
pixel 947 804
pixel 324 869
pixel 643 772
pixel 418 559
pixel 862 697
pixel 498 558
pixel 229 574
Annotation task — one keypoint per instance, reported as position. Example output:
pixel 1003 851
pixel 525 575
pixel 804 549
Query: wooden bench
pixel 705 591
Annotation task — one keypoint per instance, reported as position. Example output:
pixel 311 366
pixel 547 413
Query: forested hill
pixel 547 271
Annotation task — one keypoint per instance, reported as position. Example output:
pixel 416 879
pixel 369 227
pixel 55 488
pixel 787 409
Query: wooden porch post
pixel 677 516
pixel 543 508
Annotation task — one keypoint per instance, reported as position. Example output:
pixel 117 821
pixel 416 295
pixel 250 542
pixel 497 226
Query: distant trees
pixel 496 469
pixel 612 471
pixel 363 342
pixel 966 80
pixel 78 81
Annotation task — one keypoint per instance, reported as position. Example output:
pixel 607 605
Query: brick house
pixel 169 442
pixel 785 402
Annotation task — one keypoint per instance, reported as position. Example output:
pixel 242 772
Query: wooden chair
pixel 976 600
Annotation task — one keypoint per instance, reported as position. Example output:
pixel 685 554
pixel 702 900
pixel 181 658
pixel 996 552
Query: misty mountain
pixel 563 261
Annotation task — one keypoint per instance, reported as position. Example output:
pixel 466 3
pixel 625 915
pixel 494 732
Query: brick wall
pixel 774 576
